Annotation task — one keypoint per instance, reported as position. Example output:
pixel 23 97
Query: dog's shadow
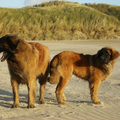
pixel 3 92
pixel 6 98
pixel 82 102
pixel 54 102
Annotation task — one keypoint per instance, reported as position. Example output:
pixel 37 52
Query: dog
pixel 93 68
pixel 27 61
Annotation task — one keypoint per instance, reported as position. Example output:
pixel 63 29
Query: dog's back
pixel 43 57
pixel 72 63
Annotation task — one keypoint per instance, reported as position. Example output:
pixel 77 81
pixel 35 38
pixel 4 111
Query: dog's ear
pixel 115 54
pixel 12 41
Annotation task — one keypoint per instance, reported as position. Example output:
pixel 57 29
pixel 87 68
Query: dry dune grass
pixel 59 20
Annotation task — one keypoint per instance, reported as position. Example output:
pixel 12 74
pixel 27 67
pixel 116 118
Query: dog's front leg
pixel 31 92
pixel 15 86
pixel 94 86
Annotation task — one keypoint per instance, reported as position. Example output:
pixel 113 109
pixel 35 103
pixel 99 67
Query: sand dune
pixel 80 106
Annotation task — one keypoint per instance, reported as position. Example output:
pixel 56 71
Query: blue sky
pixel 23 3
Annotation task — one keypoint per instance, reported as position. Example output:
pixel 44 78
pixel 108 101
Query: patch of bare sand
pixel 79 105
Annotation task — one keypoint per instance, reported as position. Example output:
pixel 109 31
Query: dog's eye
pixel 106 53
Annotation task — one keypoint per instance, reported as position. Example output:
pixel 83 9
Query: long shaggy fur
pixel 93 68
pixel 26 62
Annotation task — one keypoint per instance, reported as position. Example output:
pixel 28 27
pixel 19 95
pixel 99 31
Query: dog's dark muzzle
pixel 103 60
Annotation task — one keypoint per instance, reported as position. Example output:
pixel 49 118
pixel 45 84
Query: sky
pixel 23 3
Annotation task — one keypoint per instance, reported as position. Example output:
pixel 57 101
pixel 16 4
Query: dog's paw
pixel 41 102
pixel 31 106
pixel 15 106
pixel 98 102
pixel 98 105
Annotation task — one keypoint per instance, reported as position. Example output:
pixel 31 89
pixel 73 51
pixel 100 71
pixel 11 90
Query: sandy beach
pixel 80 106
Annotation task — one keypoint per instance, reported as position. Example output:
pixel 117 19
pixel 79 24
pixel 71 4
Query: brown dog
pixel 93 68
pixel 26 62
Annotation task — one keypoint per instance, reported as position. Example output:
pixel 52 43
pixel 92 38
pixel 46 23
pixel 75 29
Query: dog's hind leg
pixel 64 80
pixel 59 90
pixel 42 81
pixel 15 87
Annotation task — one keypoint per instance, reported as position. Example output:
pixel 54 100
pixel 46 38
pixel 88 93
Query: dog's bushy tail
pixel 54 71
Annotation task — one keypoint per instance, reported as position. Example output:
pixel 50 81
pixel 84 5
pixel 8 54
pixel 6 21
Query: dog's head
pixel 8 44
pixel 107 54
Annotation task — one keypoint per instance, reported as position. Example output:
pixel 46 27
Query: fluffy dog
pixel 26 62
pixel 93 68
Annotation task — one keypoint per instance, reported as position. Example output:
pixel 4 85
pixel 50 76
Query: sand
pixel 80 106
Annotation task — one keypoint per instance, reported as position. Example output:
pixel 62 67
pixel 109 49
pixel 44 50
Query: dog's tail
pixel 54 71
